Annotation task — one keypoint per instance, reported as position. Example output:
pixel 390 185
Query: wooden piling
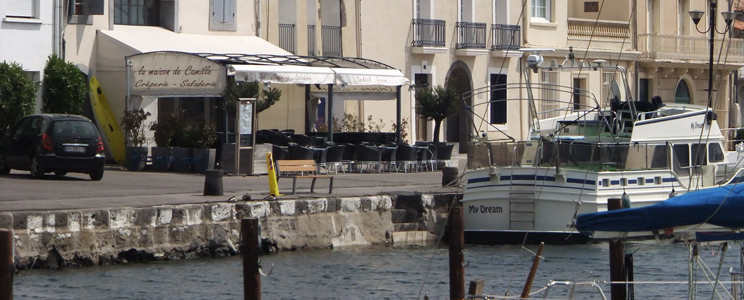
pixel 617 258
pixel 6 264
pixel 531 277
pixel 249 249
pixel 476 287
pixel 456 253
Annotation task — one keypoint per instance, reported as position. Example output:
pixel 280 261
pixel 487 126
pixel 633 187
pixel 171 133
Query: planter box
pixel 136 158
pixel 182 159
pixel 161 158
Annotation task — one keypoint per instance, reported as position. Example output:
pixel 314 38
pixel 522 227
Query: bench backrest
pixel 299 165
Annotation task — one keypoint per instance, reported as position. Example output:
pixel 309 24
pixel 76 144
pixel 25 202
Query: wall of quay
pixel 53 239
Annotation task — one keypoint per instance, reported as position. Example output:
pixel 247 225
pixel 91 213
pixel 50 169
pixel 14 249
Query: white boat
pixel 577 157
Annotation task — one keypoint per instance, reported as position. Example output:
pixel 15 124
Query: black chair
pixel 444 154
pixel 287 132
pixel 279 140
pixel 295 152
pixel 349 156
pixel 387 157
pixel 278 153
pixel 429 158
pixel 405 157
pixel 303 140
pixel 333 158
pixel 369 157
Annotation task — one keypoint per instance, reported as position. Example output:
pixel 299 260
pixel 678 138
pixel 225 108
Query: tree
pixel 437 104
pixel 17 95
pixel 64 88
pixel 265 98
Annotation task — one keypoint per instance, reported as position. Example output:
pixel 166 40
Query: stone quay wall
pixel 51 239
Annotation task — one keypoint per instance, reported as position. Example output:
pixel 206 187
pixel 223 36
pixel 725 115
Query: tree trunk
pixel 437 125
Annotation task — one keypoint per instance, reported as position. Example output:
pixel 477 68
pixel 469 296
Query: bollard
pixel 213 182
pixel 449 175
pixel 6 264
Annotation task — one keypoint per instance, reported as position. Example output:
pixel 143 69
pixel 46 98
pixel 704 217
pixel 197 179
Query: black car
pixel 53 143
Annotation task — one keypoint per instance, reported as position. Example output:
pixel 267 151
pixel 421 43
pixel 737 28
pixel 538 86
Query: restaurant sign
pixel 175 74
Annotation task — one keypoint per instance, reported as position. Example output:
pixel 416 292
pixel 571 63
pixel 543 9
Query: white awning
pixel 289 74
pixel 283 74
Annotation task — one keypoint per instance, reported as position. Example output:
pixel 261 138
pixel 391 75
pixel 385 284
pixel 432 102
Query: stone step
pixel 413 238
pixel 404 227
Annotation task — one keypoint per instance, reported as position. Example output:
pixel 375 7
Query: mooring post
pixel 456 254
pixel 6 264
pixel 617 258
pixel 249 250
pixel 531 277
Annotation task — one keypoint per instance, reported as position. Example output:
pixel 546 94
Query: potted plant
pixel 133 123
pixel 163 131
pixel 203 136
pixel 181 153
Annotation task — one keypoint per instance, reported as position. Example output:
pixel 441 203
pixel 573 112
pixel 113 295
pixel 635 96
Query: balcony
pixel 602 29
pixel 687 48
pixel 506 37
pixel 428 36
pixel 331 36
pixel 311 46
pixel 287 40
pixel 471 39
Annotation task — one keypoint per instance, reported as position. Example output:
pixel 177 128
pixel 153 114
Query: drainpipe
pixel 258 21
pixel 358 15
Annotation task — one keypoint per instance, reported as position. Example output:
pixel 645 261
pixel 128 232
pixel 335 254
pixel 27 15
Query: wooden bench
pixel 301 168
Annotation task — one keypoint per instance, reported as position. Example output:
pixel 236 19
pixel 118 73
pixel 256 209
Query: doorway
pixel 459 125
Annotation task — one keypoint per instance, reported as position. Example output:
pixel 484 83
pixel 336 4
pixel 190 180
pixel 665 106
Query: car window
pixel 74 128
pixel 23 127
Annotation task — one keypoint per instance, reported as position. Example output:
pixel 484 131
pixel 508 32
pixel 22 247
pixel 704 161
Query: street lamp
pixel 728 16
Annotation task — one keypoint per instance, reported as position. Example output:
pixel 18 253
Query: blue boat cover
pixel 720 206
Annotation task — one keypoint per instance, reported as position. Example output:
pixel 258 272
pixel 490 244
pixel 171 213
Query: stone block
pixel 315 206
pixel 19 221
pixel 164 217
pixel 333 205
pixel 96 219
pixel 145 217
pixel 61 220
pixel 410 201
pixel 160 236
pixel 121 218
pixel 178 216
pixel 218 212
pixel 6 220
pixel 366 204
pixel 350 204
pixel 444 200
pixel 301 207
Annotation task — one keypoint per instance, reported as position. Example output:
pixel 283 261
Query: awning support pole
pixel 329 115
pixel 398 110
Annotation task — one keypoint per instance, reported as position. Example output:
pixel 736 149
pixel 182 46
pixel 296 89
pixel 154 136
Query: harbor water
pixel 382 273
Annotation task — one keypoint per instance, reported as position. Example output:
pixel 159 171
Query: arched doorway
pixel 682 92
pixel 458 125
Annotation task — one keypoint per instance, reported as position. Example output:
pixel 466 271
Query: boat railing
pixel 556 289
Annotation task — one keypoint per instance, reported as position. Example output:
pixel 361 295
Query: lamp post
pixel 728 16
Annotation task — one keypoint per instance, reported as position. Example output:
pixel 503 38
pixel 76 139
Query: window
pixel 682 93
pixel 222 15
pixel 136 12
pixel 549 97
pixel 21 8
pixel 578 87
pixel 541 10
pixel 80 10
pixel 682 154
pixel 715 153
pixel 498 99
pixel 698 155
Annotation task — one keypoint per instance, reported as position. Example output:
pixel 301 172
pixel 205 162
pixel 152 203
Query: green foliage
pixel 165 129
pixel 17 95
pixel 172 131
pixel 265 98
pixel 201 135
pixel 133 123
pixel 64 87
pixel 437 104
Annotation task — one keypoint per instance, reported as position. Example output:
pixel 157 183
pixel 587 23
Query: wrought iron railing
pixel 287 40
pixel 586 28
pixel 506 37
pixel 667 46
pixel 428 33
pixel 470 35
pixel 331 36
pixel 311 46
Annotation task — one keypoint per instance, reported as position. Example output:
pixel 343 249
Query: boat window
pixel 657 180
pixel 606 182
pixel 641 181
pixel 624 181
pixel 698 155
pixel 715 153
pixel 682 154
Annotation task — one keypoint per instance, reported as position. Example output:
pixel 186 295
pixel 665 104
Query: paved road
pixel 118 188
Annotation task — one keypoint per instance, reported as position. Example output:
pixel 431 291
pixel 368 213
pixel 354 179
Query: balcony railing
pixel 667 46
pixel 311 46
pixel 287 40
pixel 470 35
pixel 331 36
pixel 506 37
pixel 428 33
pixel 585 28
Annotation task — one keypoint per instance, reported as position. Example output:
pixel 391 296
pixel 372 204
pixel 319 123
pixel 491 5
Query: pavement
pixel 120 188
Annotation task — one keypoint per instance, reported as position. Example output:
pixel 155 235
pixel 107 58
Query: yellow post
pixel 273 185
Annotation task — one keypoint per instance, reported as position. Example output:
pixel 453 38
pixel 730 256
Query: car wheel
pixel 96 175
pixel 36 169
pixel 4 169
pixel 60 173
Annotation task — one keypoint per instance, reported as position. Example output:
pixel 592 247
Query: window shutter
pixel 218 11
pixel 229 11
pixel 20 8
